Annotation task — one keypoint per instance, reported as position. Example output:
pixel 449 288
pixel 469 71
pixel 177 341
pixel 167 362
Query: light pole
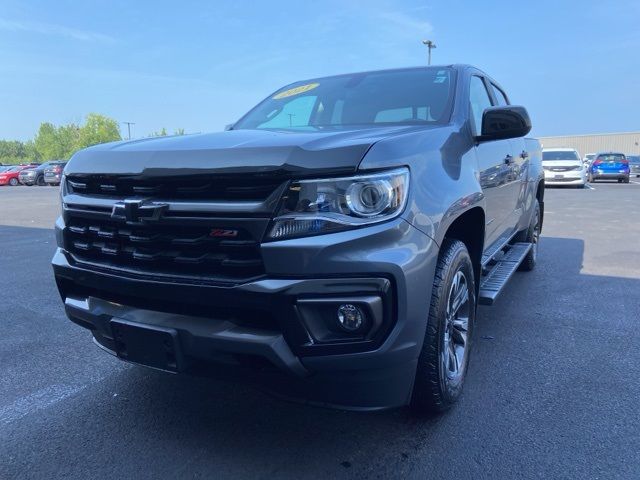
pixel 128 124
pixel 429 45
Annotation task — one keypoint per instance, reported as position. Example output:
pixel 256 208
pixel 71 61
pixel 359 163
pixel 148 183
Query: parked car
pixel 335 241
pixel 34 175
pixel 562 166
pixel 10 176
pixel 610 166
pixel 53 173
pixel 634 165
pixel 588 158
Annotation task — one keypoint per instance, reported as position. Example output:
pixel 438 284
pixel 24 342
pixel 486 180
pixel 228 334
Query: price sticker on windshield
pixel 295 91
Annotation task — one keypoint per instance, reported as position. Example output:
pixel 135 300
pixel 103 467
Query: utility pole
pixel 128 124
pixel 429 45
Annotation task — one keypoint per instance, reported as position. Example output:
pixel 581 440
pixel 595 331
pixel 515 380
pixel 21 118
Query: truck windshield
pixel 408 96
pixel 560 155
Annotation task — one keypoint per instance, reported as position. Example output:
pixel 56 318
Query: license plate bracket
pixel 152 346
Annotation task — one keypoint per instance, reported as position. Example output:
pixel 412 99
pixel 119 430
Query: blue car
pixel 609 166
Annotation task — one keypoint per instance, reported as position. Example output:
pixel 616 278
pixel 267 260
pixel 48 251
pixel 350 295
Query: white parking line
pixel 37 401
pixel 589 186
pixel 633 181
pixel 47 397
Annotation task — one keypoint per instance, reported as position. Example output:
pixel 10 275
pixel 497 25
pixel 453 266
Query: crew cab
pixel 332 245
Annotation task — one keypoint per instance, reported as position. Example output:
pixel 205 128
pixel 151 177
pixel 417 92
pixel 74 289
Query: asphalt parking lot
pixel 552 392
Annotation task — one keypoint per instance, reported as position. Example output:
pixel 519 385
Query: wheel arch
pixel 469 228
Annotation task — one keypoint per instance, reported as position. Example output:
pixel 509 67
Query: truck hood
pixel 234 152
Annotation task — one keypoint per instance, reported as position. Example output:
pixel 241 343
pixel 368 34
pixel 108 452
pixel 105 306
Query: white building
pixel 628 142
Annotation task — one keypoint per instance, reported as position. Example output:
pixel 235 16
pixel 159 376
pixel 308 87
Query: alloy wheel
pixel 455 347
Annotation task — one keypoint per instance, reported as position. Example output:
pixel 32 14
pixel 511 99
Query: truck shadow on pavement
pixel 150 420
pixel 545 314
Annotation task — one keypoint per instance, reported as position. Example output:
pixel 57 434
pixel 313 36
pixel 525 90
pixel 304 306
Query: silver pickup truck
pixel 332 245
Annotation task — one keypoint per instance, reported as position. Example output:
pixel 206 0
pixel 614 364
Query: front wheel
pixel 40 181
pixel 626 180
pixel 13 182
pixel 443 361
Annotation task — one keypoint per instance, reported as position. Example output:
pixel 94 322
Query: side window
pixel 500 96
pixel 479 101
pixel 295 113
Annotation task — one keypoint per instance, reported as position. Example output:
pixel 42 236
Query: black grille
pixel 250 187
pixel 202 252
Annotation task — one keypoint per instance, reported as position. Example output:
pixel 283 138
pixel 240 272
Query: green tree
pixel 56 143
pixel 161 133
pixel 31 153
pixel 98 129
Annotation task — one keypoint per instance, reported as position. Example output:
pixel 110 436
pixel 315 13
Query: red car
pixel 10 176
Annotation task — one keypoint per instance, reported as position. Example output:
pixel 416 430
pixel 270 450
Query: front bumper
pixel 254 331
pixel 27 180
pixel 565 178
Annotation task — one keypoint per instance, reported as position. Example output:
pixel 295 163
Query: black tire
pixel 13 182
pixel 619 180
pixel 40 181
pixel 532 236
pixel 626 180
pixel 437 386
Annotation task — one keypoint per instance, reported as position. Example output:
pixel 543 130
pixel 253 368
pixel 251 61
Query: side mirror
pixel 228 126
pixel 500 123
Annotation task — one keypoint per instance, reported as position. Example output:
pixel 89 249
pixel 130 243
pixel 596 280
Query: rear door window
pixel 612 157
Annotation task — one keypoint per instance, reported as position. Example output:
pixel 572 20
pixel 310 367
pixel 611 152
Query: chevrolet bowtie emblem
pixel 136 210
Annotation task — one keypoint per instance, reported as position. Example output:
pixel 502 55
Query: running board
pixel 494 281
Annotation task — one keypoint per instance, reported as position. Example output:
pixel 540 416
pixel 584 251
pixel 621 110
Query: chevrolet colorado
pixel 332 245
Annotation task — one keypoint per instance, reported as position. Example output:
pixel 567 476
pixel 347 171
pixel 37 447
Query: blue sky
pixel 200 65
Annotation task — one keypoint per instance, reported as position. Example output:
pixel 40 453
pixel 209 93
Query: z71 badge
pixel 221 232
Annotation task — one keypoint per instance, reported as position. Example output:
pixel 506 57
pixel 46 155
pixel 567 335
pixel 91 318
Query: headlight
pixel 314 207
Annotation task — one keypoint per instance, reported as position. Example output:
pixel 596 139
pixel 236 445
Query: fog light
pixel 350 317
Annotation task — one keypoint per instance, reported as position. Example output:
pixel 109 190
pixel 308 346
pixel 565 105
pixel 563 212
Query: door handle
pixel 508 160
